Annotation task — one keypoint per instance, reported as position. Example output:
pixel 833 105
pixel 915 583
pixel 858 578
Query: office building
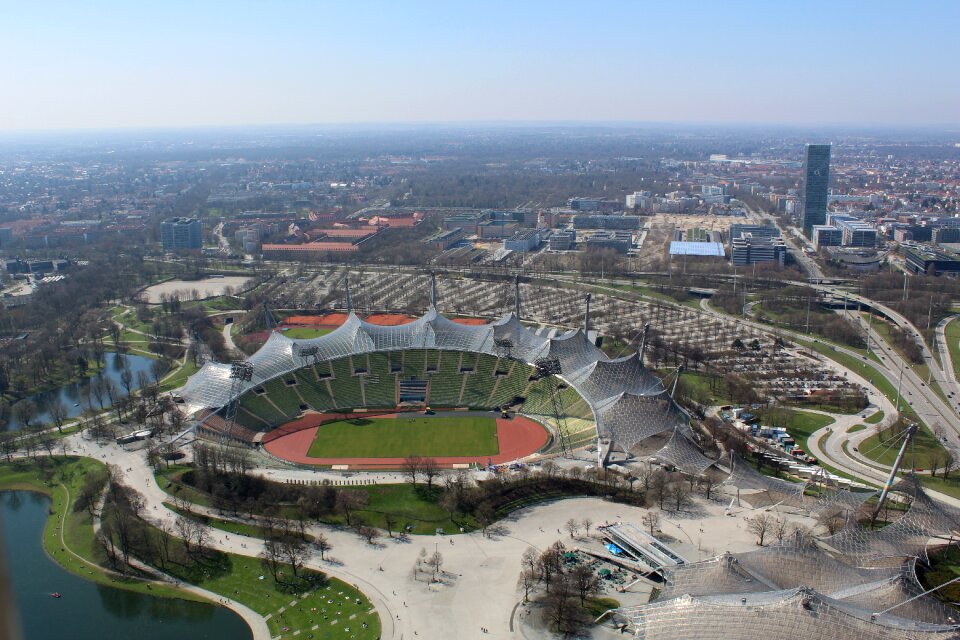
pixel 747 248
pixel 826 236
pixel 562 240
pixel 523 241
pixel 180 233
pixel 816 180
pixel 619 241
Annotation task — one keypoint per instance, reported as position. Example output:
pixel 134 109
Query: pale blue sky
pixel 176 63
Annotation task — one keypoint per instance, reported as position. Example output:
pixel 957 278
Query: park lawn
pixel 855 428
pixel 874 418
pixel 287 614
pixel 179 377
pixel 799 424
pixel 920 453
pixel 238 528
pixel 700 387
pixel 411 506
pixel 405 436
pixel 952 334
pixel 75 548
pixel 169 480
pixel 305 333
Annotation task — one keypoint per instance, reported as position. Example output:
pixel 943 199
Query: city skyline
pixel 122 66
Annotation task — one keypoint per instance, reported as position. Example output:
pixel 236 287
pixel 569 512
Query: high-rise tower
pixel 816 179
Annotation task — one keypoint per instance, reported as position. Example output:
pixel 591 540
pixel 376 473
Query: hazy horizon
pixel 122 66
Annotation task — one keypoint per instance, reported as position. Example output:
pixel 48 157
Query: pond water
pixel 72 395
pixel 87 610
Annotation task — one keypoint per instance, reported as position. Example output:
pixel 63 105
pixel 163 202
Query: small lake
pixel 88 610
pixel 72 396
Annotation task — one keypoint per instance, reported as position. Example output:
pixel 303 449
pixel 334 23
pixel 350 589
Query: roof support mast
pixel 586 317
pixel 911 430
pixel 516 296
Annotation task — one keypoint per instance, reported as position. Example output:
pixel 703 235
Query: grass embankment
pixel 179 377
pixel 73 545
pixel 924 449
pixel 293 603
pixel 230 526
pixel 799 424
pixel 406 505
pixel 952 334
pixel 328 608
pixel 403 436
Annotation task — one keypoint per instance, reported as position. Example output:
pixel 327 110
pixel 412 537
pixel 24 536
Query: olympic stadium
pixel 860 581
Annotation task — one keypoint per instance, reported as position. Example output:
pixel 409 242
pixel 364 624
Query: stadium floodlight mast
pixel 504 346
pixel 241 372
pixel 309 352
pixel 547 368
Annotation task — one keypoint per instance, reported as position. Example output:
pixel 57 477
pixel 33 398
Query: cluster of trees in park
pixel 562 584
pixel 62 333
pixel 799 307
pixel 924 300
pixel 184 548
pixel 146 409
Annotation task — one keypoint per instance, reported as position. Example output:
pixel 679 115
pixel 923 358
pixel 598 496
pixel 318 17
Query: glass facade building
pixel 816 179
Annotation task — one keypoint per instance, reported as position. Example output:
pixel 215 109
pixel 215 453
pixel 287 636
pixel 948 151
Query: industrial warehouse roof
pixel 685 248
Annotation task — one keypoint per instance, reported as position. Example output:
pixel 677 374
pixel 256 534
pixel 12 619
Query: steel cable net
pixel 772 615
pixel 907 537
pixel 762 491
pixel 772 568
pixel 684 455
pixel 606 379
pixel 462 337
pixel 575 351
pixel 630 419
pixel 526 345
pixel 901 593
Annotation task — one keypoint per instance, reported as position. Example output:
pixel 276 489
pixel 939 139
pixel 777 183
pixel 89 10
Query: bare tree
pixel 435 562
pixel 780 529
pixel 651 520
pixel 368 533
pixel 412 468
pixel 322 543
pixel 58 411
pixel 350 500
pixel 294 552
pixel 679 494
pixel 585 581
pixel 572 526
pixel 587 523
pixel 760 525
pixel 271 557
pixel 430 470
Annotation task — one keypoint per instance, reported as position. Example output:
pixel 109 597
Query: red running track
pixel 518 437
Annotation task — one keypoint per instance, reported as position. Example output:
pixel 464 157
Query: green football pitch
pixel 402 437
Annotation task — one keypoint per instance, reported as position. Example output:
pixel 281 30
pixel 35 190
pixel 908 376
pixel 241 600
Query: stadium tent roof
pixel 600 380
